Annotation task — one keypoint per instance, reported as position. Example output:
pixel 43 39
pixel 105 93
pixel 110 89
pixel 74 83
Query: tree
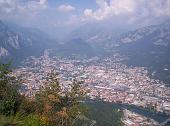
pixel 51 106
pixel 12 105
pixel 9 93
pixel 57 107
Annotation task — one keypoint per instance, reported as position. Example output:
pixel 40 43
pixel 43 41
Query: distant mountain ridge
pixel 21 42
pixel 155 34
pixel 148 47
pixel 17 42
pixel 79 47
pixel 9 39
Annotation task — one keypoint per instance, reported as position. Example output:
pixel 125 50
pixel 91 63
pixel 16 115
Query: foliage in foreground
pixel 51 106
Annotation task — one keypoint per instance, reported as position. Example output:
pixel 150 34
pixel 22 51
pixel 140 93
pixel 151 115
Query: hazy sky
pixel 53 14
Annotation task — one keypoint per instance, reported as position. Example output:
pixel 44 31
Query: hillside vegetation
pixel 51 106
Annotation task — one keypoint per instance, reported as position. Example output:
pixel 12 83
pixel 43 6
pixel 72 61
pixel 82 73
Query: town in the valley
pixel 108 78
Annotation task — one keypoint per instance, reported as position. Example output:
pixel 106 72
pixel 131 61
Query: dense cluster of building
pixel 108 78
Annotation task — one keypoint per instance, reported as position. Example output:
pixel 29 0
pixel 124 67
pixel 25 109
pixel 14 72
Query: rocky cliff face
pixel 8 40
pixel 3 52
pixel 157 35
pixel 22 42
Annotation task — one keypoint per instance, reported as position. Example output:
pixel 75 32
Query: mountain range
pixel 18 42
